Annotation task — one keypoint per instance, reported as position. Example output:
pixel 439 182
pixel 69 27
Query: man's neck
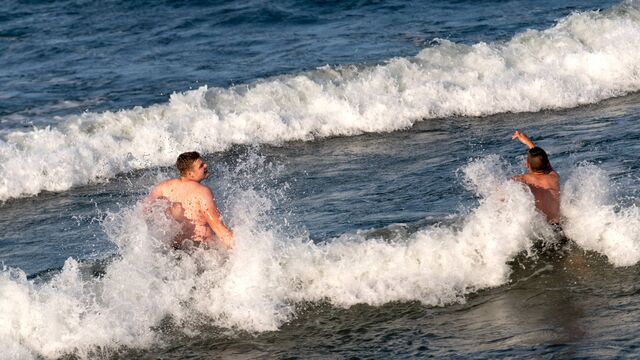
pixel 540 172
pixel 186 178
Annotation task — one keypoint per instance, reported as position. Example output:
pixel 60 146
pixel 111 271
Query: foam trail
pixel 256 287
pixel 593 220
pixel 584 58
pixel 437 265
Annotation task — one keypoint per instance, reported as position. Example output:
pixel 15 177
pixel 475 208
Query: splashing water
pixel 256 286
pixel 592 220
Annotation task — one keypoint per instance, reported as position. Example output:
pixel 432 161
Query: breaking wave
pixel 586 57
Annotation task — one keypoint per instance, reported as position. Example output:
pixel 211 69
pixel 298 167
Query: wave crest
pixel 585 58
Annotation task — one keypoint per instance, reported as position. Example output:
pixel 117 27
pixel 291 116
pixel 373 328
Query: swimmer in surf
pixel 192 204
pixel 543 181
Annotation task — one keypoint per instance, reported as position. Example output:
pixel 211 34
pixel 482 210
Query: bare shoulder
pixel 545 181
pixel 555 179
pixel 202 190
pixel 524 178
pixel 159 189
pixel 204 196
pixel 166 184
pixel 552 177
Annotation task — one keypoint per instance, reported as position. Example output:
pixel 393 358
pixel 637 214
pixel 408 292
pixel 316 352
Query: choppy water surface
pixel 370 197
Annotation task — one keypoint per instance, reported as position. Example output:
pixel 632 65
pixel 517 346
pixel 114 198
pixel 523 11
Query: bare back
pixel 546 191
pixel 186 199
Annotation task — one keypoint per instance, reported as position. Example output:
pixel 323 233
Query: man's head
pixel 538 161
pixel 191 165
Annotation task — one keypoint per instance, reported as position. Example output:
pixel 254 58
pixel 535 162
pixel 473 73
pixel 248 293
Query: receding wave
pixel 586 57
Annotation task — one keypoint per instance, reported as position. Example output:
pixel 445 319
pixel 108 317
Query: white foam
pixel 437 265
pixel 257 286
pixel 595 221
pixel 583 59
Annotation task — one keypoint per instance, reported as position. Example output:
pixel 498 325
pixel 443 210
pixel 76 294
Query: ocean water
pixel 361 151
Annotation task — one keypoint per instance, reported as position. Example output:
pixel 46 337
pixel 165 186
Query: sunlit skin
pixel 544 186
pixel 193 205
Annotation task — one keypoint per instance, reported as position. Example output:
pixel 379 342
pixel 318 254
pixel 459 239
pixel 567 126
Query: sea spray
pixel 145 284
pixel 586 57
pixel 256 286
pixel 76 313
pixel 593 219
pixel 437 265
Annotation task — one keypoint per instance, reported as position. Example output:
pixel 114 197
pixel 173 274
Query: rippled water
pixel 367 225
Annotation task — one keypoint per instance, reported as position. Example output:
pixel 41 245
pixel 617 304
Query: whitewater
pixel 583 59
pixel 371 199
pixel 258 287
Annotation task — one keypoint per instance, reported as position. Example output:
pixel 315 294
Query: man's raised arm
pixel 212 215
pixel 523 139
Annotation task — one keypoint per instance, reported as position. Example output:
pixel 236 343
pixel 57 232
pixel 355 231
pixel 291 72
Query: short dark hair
pixel 185 161
pixel 538 160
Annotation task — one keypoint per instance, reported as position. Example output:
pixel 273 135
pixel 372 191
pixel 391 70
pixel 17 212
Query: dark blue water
pixel 359 241
pixel 67 57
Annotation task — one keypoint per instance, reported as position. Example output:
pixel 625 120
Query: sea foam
pixel 586 57
pixel 595 221
pixel 257 286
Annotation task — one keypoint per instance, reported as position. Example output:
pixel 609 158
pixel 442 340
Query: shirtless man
pixel 192 203
pixel 543 181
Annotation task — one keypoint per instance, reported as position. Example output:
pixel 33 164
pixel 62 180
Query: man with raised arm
pixel 192 204
pixel 543 181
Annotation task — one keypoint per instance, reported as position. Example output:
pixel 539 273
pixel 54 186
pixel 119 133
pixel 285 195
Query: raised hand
pixel 523 139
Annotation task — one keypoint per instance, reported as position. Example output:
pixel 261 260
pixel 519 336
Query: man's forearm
pixel 524 139
pixel 224 234
pixel 529 143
